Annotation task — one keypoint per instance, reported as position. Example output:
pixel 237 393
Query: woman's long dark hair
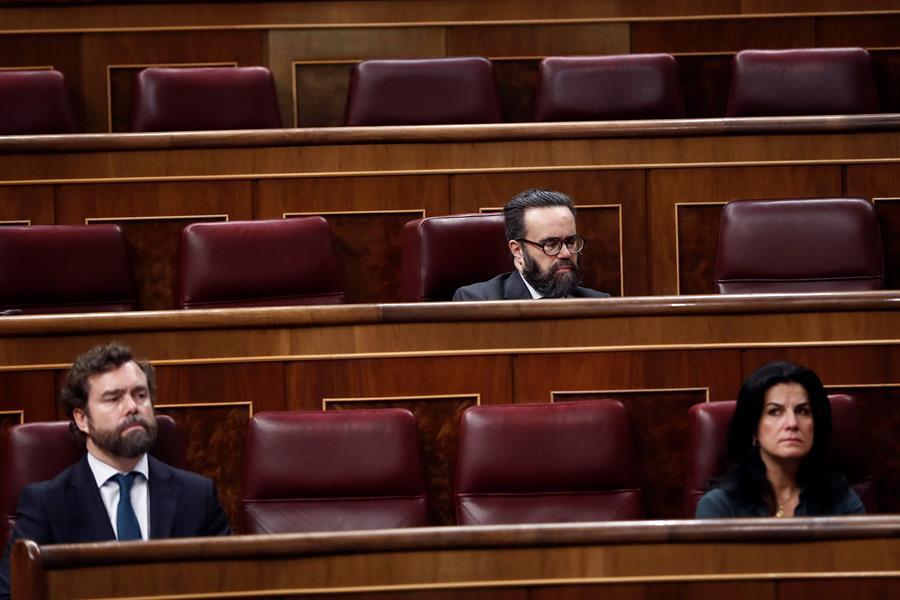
pixel 746 478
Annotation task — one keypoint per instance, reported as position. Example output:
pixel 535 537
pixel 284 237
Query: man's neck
pixel 122 465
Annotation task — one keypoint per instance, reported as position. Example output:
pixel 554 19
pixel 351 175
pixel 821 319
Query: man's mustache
pixel 133 420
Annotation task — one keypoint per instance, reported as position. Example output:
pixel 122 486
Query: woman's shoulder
pixel 716 504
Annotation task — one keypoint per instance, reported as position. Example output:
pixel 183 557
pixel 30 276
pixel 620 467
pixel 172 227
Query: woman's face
pixel 785 429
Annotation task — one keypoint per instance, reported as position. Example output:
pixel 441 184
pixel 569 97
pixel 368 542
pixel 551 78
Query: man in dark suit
pixel 116 491
pixel 540 229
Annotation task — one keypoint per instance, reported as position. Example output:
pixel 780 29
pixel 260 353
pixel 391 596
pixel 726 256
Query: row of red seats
pixel 462 90
pixel 362 469
pixel 805 245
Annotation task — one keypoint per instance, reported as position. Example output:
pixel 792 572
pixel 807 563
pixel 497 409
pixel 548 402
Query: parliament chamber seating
pixel 547 463
pixel 606 88
pixel 802 245
pixel 39 451
pixel 204 98
pixel 441 254
pixel 812 81
pixel 65 269
pixel 332 471
pixel 278 262
pixel 35 103
pixel 436 91
pixel 849 450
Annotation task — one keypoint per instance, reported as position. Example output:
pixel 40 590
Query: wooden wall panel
pixel 33 392
pixel 475 192
pixel 320 93
pixel 889 220
pixel 437 421
pixel 516 87
pixel 669 187
pixel 538 40
pixel 32 203
pixel 727 35
pixel 704 84
pixel 697 231
pixel 709 590
pixel 868 31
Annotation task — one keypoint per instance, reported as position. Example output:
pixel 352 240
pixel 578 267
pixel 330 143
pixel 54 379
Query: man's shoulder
pixel 492 289
pixel 583 292
pixel 160 469
pixel 59 481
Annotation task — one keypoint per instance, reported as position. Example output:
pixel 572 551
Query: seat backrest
pixel 850 451
pixel 35 103
pixel 64 269
pixel 436 91
pixel 812 81
pixel 805 245
pixel 39 451
pixel 332 471
pixel 547 463
pixel 629 86
pixel 204 98
pixel 278 262
pixel 441 254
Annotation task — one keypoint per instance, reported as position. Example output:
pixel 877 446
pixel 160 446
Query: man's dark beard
pixel 551 284
pixel 132 445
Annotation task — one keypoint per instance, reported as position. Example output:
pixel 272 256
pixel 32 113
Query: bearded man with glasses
pixel 540 229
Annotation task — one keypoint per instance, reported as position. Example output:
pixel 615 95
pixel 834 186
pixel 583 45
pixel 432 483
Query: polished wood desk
pixel 741 558
pixel 657 355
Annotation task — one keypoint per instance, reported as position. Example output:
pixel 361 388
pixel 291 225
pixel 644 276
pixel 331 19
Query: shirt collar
pixel 102 471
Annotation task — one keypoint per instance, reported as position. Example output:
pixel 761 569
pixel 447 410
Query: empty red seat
pixel 279 262
pixel 441 254
pixel 35 103
pixel 436 91
pixel 804 245
pixel 39 451
pixel 204 98
pixel 849 450
pixel 65 269
pixel 332 471
pixel 547 463
pixel 629 86
pixel 812 81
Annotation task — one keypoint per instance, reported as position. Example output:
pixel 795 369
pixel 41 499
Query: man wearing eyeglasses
pixel 540 229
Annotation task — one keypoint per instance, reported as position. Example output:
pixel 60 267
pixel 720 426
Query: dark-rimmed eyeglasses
pixel 553 246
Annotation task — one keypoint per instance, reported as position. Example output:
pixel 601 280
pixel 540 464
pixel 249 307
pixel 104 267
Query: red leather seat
pixel 812 81
pixel 281 262
pixel 441 254
pixel 65 269
pixel 203 98
pixel 806 245
pixel 435 91
pixel 595 88
pixel 35 103
pixel 708 425
pixel 547 463
pixel 332 471
pixel 39 451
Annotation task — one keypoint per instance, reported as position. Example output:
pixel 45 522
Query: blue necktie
pixel 126 521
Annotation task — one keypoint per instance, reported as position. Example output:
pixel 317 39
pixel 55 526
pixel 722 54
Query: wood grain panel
pixel 886 64
pixel 726 35
pixel 437 422
pixel 868 31
pixel 98 50
pixel 516 87
pixel 697 230
pixel 320 93
pixel 33 203
pixel 888 210
pixel 704 84
pixel 659 427
pixel 472 193
pixel 33 392
pixel 796 589
pixel 538 40
pixel 713 590
pixel 669 187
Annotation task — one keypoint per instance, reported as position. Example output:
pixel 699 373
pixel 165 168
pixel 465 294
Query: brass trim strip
pixel 412 211
pixel 20 412
pixel 554 393
pixel 249 405
pixel 91 220
pixel 476 395
pixel 16 222
pixel 28 68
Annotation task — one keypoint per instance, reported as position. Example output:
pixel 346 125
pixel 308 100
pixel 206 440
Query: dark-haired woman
pixel 777 447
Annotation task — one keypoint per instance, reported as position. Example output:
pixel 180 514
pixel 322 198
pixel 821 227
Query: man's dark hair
pixel 514 211
pixel 95 361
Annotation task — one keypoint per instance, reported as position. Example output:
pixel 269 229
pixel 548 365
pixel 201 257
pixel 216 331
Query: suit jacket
pixel 511 286
pixel 68 509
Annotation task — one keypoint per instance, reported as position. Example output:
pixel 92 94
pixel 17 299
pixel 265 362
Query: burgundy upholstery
pixel 806 245
pixel 65 269
pixel 202 98
pixel 34 103
pixel 708 424
pixel 436 91
pixel 814 81
pixel 39 451
pixel 332 471
pixel 282 262
pixel 630 86
pixel 440 254
pixel 547 463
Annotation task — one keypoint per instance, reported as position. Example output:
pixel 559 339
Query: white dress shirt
pixel 109 491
